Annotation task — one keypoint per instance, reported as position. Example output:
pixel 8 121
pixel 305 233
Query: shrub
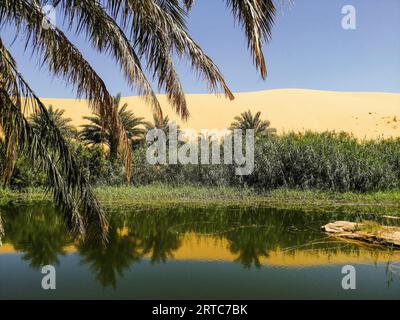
pixel 328 161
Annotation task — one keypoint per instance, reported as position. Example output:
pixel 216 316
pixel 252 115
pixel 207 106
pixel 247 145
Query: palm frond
pixel 71 191
pixel 248 121
pixel 93 133
pixel 1 230
pixel 257 19
pixel 65 60
pixel 106 35
pixel 188 4
pixel 148 19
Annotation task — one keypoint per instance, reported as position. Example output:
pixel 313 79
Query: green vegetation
pixel 246 121
pixel 324 161
pixel 384 203
pixel 39 122
pixel 370 227
pixel 97 134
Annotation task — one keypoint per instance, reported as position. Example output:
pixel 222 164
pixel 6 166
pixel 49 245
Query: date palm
pixel 247 121
pixel 163 123
pixel 159 122
pixel 94 133
pixel 132 32
pixel 39 123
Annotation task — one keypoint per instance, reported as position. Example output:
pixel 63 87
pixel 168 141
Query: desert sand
pixel 366 115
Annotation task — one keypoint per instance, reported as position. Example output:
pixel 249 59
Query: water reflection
pixel 251 237
pixel 37 231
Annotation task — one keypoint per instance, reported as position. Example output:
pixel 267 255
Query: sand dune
pixel 366 115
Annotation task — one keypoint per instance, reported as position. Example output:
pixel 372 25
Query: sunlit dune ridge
pixel 366 115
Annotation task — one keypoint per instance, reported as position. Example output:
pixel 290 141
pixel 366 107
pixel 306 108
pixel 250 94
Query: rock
pixel 386 236
pixel 340 226
pixel 392 217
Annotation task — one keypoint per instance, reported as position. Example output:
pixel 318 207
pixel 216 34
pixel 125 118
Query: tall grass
pixel 327 161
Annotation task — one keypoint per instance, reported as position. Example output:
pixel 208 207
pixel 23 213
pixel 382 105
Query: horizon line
pixel 221 94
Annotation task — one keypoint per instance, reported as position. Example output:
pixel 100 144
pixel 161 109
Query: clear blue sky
pixel 309 50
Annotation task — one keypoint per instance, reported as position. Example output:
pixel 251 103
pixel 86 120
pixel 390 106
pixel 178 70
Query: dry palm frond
pixel 106 35
pixel 65 60
pixel 189 4
pixel 70 189
pixel 11 157
pixel 9 83
pixel 1 230
pixel 257 18
pixel 148 19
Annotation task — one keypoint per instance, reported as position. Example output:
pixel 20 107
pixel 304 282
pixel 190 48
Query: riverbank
pixel 385 203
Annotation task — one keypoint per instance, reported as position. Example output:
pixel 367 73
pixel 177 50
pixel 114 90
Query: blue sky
pixel 309 50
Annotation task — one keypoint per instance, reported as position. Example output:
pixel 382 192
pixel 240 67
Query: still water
pixel 192 253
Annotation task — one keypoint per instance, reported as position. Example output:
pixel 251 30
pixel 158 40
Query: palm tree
pixel 160 122
pixel 132 32
pixel 247 121
pixel 94 134
pixel 38 122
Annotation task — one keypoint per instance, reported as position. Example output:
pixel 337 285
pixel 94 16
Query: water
pixel 192 253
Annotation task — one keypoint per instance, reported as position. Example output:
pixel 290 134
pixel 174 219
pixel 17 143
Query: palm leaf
pixel 148 19
pixel 65 60
pixel 107 36
pixel 70 189
pixel 257 18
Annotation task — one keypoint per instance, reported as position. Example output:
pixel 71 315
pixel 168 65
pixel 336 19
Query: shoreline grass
pixel 383 202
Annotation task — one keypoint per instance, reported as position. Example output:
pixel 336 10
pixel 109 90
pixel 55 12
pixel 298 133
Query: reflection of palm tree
pixel 95 134
pixel 251 245
pixel 108 262
pixel 160 244
pixel 42 236
pixel 140 237
pixel 247 121
pixel 38 232
pixel 154 234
